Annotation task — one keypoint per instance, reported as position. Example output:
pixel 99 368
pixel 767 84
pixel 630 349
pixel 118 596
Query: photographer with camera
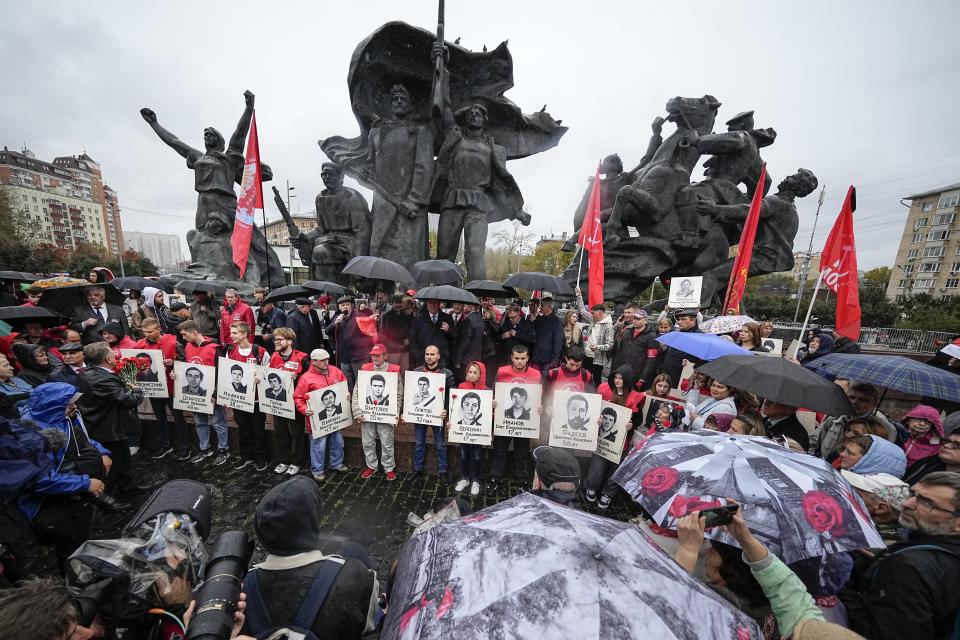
pixel 297 586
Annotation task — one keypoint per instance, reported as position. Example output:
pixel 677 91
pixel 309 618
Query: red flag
pixel 838 269
pixel 741 265
pixel 250 199
pixel 591 242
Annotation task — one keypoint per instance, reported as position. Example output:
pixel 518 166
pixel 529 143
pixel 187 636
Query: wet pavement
pixel 370 512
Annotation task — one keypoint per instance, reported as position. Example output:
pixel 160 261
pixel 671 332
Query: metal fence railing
pixel 888 337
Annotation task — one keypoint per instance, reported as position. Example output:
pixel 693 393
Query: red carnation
pixel 822 511
pixel 659 480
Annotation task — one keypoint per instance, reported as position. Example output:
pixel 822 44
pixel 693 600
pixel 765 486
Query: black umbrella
pixel 17 316
pixel 780 380
pixel 192 286
pixel 437 272
pixel 535 280
pixel 138 283
pixel 288 292
pixel 378 269
pixel 326 287
pixel 447 293
pixel 64 300
pixel 490 288
pixel 18 276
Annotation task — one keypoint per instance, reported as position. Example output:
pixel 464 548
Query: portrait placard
pixel 773 346
pixel 331 409
pixel 236 387
pixel 424 397
pixel 574 421
pixel 378 396
pixel 517 414
pixel 193 386
pixel 471 420
pixel 153 381
pixel 275 392
pixel 613 431
pixel 685 291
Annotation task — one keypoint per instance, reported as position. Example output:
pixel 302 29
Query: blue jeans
pixel 219 427
pixel 471 456
pixel 420 450
pixel 318 448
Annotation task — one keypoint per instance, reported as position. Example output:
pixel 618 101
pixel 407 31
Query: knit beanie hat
pixel 951 423
pixel 287 521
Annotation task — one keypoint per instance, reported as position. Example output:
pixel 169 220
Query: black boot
pixel 106 502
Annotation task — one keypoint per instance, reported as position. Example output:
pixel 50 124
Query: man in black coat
pixel 781 420
pixel 72 365
pixel 548 328
pixel 469 347
pixel 432 326
pixel 106 406
pixel 673 358
pixel 909 590
pixel 305 322
pixel 515 329
pixel 90 318
pixel 351 343
pixel 395 331
pixel 637 346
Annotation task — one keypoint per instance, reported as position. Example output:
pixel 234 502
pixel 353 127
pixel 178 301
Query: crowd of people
pixel 58 385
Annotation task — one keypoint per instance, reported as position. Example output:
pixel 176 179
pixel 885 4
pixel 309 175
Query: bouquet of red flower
pixel 128 369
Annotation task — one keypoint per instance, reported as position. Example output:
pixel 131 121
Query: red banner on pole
pixel 591 242
pixel 249 200
pixel 838 269
pixel 741 265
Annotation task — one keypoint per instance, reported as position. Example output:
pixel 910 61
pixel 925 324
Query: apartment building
pixel 928 259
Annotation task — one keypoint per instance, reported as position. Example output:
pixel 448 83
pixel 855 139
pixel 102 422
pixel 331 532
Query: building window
pixel 923 283
pixel 952 283
pixel 902 284
pixel 926 206
pixel 912 253
pixel 919 223
pixel 917 237
pixel 929 267
pixel 933 252
pixel 938 235
pixel 944 218
pixel 909 268
pixel 948 200
pixel 955 267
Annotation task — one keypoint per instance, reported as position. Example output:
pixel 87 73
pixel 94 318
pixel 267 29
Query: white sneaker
pixel 293 470
pixel 460 486
pixel 475 489
pixel 280 468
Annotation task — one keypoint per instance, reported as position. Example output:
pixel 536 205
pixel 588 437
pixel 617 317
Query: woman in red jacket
pixel 471 455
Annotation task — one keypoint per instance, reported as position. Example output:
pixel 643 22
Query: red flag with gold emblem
pixel 249 200
pixel 741 265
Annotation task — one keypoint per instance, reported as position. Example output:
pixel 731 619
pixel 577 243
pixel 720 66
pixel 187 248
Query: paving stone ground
pixel 370 512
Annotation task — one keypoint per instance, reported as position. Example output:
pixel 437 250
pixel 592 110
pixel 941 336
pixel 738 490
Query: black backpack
pixel 258 619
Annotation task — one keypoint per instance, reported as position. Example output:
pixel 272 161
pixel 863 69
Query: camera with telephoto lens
pixel 219 594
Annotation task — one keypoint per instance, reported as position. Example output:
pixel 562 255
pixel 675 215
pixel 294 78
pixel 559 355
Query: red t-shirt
pixel 509 374
pixel 561 378
pixel 293 363
pixel 203 353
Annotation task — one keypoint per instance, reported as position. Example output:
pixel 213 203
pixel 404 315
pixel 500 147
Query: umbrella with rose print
pixel 796 504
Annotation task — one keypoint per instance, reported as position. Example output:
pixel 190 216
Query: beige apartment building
pixel 928 260
pixel 66 200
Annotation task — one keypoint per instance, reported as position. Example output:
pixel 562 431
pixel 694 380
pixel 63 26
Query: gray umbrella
pixel 326 287
pixel 531 568
pixel 437 272
pixel 535 281
pixel 378 269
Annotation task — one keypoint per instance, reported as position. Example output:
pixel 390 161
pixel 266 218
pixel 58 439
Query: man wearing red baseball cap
pixel 371 431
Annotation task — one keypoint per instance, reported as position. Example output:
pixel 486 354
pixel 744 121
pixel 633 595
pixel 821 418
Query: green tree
pixel 548 258
pixel 880 275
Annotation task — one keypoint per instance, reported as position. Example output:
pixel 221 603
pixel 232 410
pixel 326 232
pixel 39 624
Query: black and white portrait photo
pixel 608 425
pixel 470 419
pixel 575 420
pixel 424 397
pixel 614 425
pixel 236 379
pixel 330 410
pixel 377 393
pixel 685 291
pixel 518 410
pixel 331 405
pixel 275 392
pixel 152 381
pixel 235 385
pixel 193 386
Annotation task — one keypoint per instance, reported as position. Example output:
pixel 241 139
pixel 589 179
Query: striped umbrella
pixel 891 372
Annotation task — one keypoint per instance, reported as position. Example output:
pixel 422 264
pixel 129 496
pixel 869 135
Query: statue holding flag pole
pixel 216 170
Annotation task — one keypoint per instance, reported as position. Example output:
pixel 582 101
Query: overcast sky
pixel 862 93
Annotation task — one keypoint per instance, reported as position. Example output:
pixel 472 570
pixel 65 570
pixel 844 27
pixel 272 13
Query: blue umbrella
pixel 891 372
pixel 705 346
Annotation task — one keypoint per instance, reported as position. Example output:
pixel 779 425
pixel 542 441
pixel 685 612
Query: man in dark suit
pixel 781 420
pixel 306 323
pixel 72 365
pixel 89 318
pixel 432 327
pixel 106 406
pixel 470 328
